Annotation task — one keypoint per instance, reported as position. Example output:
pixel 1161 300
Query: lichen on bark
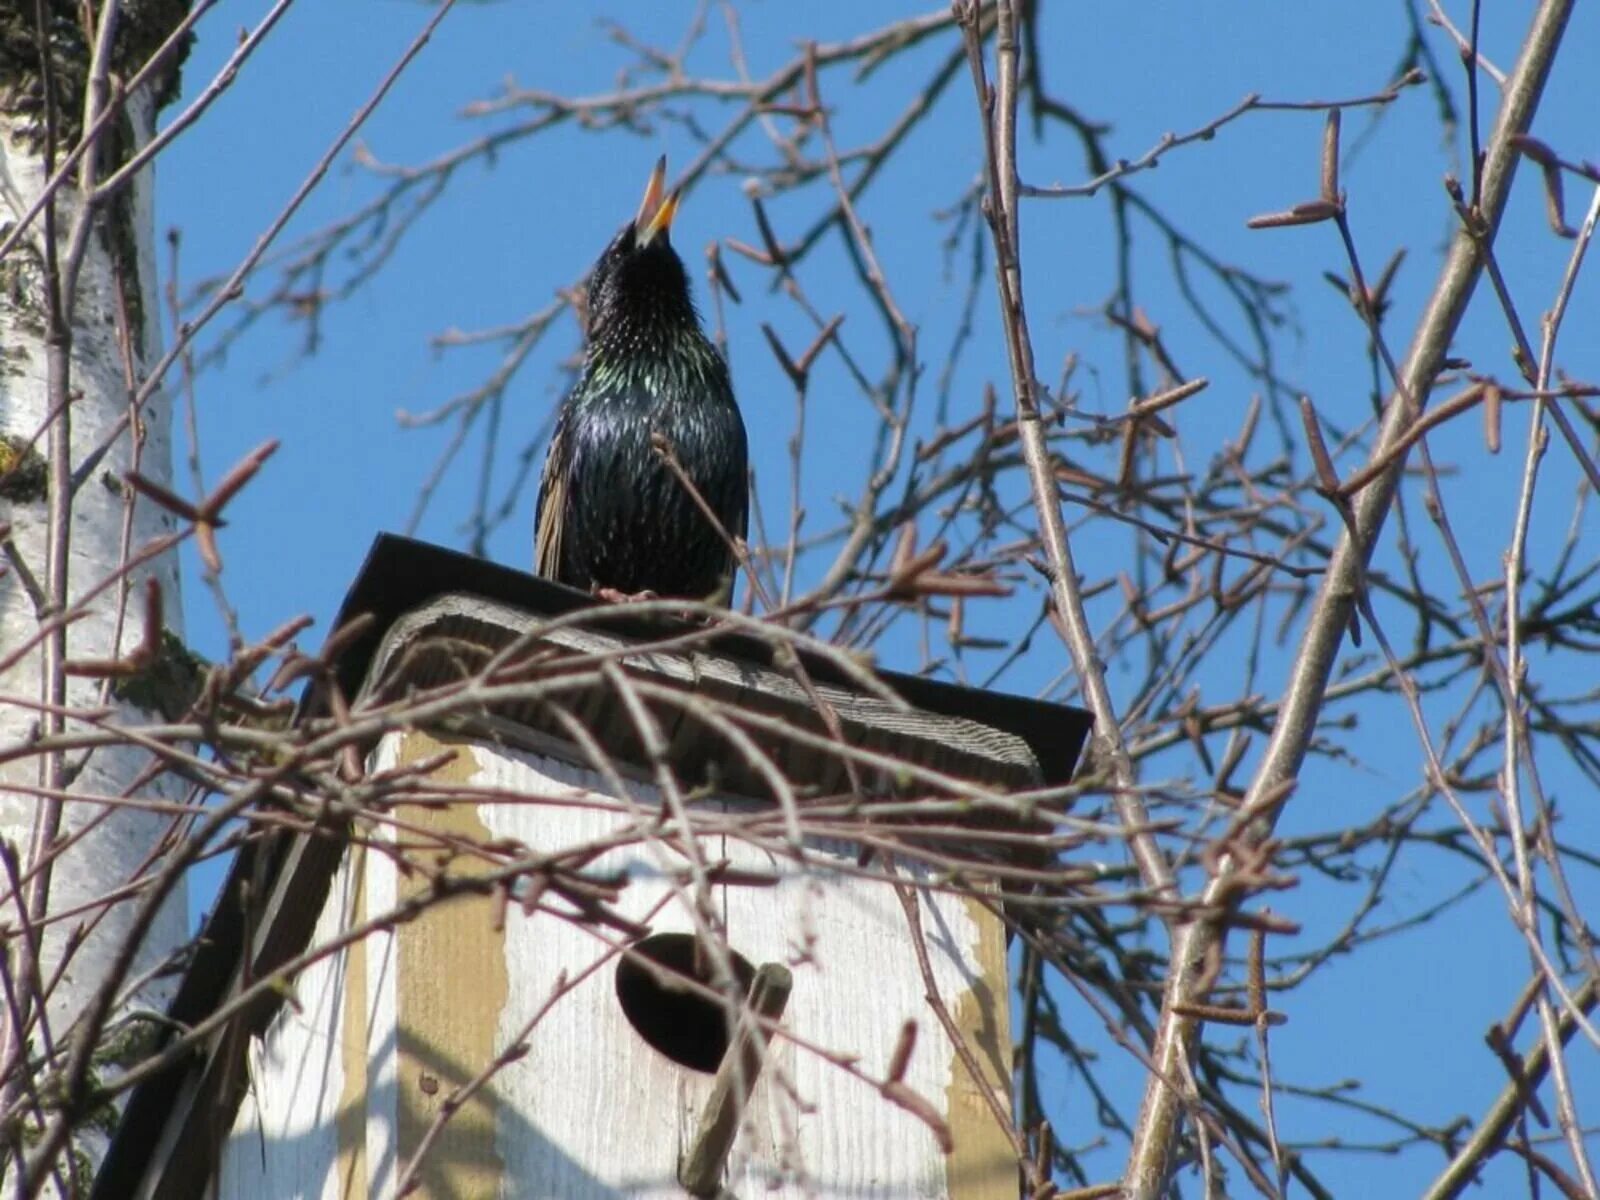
pixel 169 685
pixel 24 473
pixel 142 26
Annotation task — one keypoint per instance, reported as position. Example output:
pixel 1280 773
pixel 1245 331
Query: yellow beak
pixel 655 214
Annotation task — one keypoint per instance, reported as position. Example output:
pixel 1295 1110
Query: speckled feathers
pixel 611 514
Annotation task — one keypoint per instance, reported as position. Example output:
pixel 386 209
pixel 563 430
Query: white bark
pixel 123 844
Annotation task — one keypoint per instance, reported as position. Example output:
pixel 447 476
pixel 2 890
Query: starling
pixel 613 517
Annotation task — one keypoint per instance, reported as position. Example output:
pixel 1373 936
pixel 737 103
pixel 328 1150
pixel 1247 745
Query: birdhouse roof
pixel 419 594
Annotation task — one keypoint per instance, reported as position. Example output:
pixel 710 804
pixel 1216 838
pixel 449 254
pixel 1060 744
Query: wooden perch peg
pixel 701 1171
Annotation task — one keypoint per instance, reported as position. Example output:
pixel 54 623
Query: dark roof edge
pixel 401 573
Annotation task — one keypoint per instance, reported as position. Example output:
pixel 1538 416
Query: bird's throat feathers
pixel 635 327
pixel 674 362
pixel 643 327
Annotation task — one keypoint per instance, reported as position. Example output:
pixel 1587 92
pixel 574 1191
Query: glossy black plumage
pixel 611 515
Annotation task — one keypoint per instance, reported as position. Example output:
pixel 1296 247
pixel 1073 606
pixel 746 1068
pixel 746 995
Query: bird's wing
pixel 551 512
pixel 734 509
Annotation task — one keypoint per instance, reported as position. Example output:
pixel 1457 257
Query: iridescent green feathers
pixel 611 514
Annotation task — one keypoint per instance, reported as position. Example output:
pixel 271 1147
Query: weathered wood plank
pixel 453 637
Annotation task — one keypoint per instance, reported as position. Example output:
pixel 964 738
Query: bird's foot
pixel 613 596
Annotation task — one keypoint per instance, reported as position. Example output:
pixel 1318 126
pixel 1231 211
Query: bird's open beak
pixel 655 213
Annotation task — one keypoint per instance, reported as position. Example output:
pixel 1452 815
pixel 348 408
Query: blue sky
pixel 506 235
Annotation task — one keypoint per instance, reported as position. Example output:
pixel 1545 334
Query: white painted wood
pixel 592 1111
pixel 284 1141
pixel 382 1055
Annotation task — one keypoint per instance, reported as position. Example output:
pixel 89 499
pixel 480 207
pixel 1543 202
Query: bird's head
pixel 639 288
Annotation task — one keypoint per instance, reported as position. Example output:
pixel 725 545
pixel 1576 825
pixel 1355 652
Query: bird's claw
pixel 613 596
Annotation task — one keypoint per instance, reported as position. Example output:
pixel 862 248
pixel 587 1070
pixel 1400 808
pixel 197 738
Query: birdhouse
pixel 631 907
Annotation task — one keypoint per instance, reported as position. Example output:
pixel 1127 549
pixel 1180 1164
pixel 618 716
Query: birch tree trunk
pixel 85 556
